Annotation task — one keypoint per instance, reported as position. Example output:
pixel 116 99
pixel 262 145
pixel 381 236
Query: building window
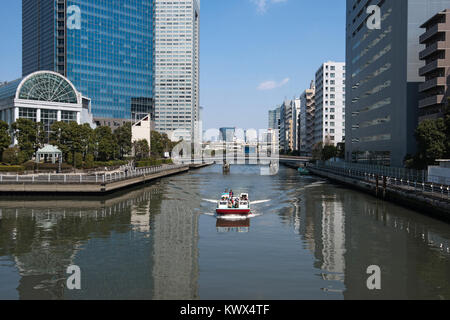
pixel 48 117
pixel 68 116
pixel 28 113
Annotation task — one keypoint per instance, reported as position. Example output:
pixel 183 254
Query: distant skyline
pixel 254 53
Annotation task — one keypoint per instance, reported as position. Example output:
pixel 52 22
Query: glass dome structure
pixel 47 86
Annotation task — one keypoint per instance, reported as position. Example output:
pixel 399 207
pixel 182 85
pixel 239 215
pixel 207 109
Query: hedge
pixel 114 163
pixel 12 169
pixel 152 162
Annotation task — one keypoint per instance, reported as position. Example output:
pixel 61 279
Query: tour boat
pixel 238 205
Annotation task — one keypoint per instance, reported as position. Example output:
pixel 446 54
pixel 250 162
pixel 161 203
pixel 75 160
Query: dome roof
pixel 47 86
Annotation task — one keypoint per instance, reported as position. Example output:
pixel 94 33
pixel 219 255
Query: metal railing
pixel 107 177
pixel 398 173
pixel 396 181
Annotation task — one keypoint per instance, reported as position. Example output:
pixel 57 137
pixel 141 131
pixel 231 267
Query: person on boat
pixel 231 194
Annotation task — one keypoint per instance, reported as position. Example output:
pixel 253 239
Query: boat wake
pixel 237 217
pixel 233 217
pixel 259 201
pixel 252 202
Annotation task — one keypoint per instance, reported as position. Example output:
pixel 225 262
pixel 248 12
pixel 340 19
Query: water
pixel 313 240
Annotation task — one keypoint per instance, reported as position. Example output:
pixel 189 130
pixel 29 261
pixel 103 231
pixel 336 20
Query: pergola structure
pixel 49 152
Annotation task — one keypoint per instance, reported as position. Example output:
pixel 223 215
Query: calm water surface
pixel 313 240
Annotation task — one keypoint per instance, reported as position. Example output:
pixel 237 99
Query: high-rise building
pixel 227 134
pixel 436 55
pixel 383 79
pixel 275 122
pixel 177 26
pixel 274 119
pixel 105 48
pixel 295 124
pixel 329 119
pixel 306 120
pixel 285 124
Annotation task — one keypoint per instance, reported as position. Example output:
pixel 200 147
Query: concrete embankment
pixel 422 202
pixel 93 188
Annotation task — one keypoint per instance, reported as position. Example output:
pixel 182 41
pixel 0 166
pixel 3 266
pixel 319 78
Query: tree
pixel 160 143
pixel 328 152
pixel 60 136
pixel 123 137
pixel 27 133
pixel 105 142
pixel 156 144
pixel 141 149
pixel 5 138
pixel 78 162
pixel 87 140
pixel 89 161
pixel 432 142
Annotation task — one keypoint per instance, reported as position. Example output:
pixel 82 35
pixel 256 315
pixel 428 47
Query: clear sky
pixel 254 53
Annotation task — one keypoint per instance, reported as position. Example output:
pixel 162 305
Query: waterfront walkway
pixel 104 182
pixel 421 196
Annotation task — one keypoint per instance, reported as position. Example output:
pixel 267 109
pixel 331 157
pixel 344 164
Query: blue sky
pixel 254 53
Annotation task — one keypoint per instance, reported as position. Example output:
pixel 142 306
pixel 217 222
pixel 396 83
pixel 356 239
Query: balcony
pixel 431 101
pixel 440 45
pixel 430 33
pixel 432 66
pixel 433 83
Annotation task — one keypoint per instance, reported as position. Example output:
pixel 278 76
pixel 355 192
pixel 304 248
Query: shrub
pixel 16 169
pixel 13 156
pixel 112 163
pixel 152 162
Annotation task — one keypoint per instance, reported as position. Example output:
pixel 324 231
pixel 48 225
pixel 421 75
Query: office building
pixel 105 48
pixel 306 120
pixel 294 139
pixel 227 134
pixel 436 56
pixel 383 79
pixel 329 118
pixel 274 119
pixel 176 40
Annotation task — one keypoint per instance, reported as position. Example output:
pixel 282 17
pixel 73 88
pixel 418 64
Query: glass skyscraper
pixel 105 47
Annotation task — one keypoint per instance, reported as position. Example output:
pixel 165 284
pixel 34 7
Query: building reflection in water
pixel 175 235
pixel 348 231
pixel 136 245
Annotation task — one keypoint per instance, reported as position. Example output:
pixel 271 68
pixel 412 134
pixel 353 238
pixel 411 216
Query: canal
pixel 312 240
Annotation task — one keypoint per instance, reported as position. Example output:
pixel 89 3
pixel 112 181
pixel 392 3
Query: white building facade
pixel 329 119
pixel 306 120
pixel 44 96
pixel 176 74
